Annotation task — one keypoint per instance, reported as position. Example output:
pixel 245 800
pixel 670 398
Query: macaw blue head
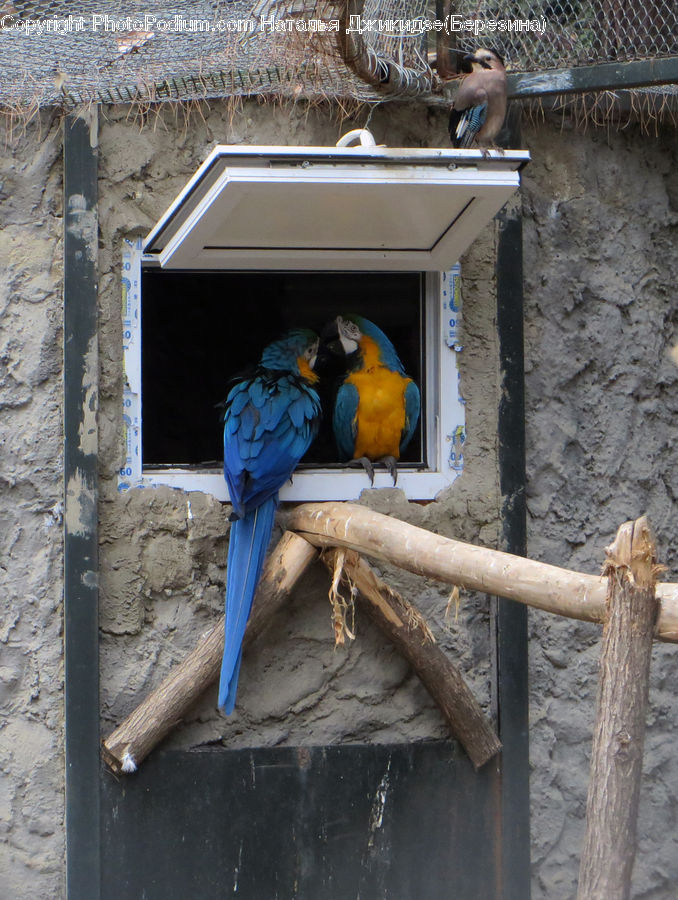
pixel 350 334
pixel 296 351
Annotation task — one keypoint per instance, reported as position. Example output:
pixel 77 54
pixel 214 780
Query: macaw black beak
pixel 329 339
pixel 330 352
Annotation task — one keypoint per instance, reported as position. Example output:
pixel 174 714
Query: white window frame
pixel 444 414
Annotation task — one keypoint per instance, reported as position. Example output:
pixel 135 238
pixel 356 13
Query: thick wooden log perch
pixel 164 708
pixel 617 755
pixel 536 584
pixel 406 627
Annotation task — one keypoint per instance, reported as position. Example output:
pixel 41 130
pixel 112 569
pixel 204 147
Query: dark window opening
pixel 200 329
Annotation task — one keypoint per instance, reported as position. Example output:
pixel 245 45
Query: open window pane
pixel 338 208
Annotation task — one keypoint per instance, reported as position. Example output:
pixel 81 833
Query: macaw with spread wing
pixel 377 407
pixel 270 421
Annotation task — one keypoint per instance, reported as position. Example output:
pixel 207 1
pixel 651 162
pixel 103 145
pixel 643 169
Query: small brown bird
pixel 479 107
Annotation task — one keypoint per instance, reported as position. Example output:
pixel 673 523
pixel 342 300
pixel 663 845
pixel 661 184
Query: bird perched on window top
pixel 377 406
pixel 479 107
pixel 270 420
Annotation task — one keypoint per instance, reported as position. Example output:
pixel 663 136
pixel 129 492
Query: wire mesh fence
pixel 583 32
pixel 55 52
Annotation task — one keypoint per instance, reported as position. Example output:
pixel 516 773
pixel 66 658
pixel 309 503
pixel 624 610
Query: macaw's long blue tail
pixel 246 551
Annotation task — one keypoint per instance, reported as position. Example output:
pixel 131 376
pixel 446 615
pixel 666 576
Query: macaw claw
pixel 364 463
pixel 390 463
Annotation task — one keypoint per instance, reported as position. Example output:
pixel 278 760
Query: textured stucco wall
pixel 601 266
pixel 31 561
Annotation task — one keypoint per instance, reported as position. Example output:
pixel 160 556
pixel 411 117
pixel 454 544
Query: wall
pixel 601 265
pixel 600 262
pixel 31 491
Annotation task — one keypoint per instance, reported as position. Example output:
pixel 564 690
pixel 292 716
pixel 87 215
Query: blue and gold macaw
pixel 377 406
pixel 270 421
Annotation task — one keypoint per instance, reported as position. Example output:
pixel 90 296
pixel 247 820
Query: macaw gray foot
pixel 391 464
pixel 362 463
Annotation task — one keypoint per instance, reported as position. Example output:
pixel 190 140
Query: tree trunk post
pixel 617 754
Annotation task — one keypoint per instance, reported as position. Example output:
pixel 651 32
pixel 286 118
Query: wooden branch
pixel 414 549
pixel 543 586
pixel 617 755
pixel 405 626
pixel 164 708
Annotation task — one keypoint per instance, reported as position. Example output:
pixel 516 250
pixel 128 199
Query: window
pixel 188 332
pixel 266 238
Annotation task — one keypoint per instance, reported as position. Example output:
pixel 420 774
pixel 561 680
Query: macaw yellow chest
pixel 380 417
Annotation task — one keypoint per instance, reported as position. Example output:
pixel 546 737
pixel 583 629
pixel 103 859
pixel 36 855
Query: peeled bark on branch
pixel 404 625
pixel 166 706
pixel 617 755
pixel 536 584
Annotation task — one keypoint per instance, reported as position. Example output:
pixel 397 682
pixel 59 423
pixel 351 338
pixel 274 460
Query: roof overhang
pixel 333 208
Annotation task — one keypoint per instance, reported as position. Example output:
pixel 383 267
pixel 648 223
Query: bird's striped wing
pixel 344 420
pixel 465 124
pixel 412 411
